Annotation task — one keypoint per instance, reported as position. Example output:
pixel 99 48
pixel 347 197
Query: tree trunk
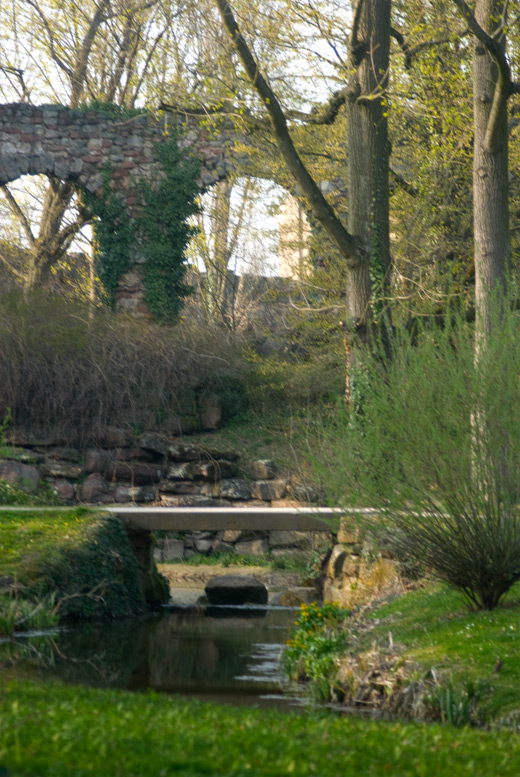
pixel 490 177
pixel 368 158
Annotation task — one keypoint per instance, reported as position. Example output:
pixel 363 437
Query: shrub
pixel 315 644
pixel 437 448
pixel 66 370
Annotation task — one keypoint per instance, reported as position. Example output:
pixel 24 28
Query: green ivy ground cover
pixel 80 556
pixel 52 730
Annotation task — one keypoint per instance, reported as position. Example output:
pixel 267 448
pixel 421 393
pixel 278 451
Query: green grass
pixel 434 628
pixel 82 558
pixel 56 731
pixel 27 537
pixel 290 562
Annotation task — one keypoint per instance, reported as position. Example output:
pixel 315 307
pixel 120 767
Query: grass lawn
pixel 434 628
pixel 56 730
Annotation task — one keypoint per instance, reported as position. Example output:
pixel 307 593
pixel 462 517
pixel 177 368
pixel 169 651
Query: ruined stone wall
pixel 76 145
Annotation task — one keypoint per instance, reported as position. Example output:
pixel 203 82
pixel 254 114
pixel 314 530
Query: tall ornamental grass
pixel 435 444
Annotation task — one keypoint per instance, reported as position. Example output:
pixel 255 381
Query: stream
pixel 221 654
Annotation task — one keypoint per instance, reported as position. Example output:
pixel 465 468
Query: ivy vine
pixel 159 228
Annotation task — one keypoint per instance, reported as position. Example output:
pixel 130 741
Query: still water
pixel 221 654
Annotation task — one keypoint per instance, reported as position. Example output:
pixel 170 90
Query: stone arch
pixel 79 145
pixel 76 145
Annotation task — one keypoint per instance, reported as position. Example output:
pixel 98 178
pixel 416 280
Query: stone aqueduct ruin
pixel 78 145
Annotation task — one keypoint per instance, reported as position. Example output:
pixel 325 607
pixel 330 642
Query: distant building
pixel 294 235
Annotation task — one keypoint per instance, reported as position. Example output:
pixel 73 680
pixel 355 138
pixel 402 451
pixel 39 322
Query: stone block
pixel 182 487
pixel 203 546
pixel 64 489
pixel 252 548
pixel 235 488
pixel 267 490
pixel 349 532
pixel 262 469
pixel 112 437
pixel 138 494
pixel 97 460
pixel 137 474
pixel 231 535
pixel 23 476
pixel 283 539
pixel 95 489
pixel 157 443
pixel 62 469
pixel 193 500
pixel 172 549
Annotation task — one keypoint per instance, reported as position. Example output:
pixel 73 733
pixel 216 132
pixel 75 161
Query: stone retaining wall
pixel 160 470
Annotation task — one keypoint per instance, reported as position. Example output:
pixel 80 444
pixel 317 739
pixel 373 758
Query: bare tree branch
pixel 319 206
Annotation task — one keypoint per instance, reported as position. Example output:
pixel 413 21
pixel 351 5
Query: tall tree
pixel 366 239
pixel 492 87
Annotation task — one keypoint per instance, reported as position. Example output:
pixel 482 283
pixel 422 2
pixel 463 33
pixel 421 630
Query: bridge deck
pixel 219 518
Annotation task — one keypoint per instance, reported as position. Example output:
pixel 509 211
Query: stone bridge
pixel 76 145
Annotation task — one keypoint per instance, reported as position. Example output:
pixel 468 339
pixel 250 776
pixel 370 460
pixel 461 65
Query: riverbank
pixel 49 729
pixel 80 559
pixel 420 655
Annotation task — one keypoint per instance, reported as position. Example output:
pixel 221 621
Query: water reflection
pixel 221 654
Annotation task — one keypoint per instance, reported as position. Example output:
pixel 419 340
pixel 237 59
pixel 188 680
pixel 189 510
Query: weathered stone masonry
pixel 78 145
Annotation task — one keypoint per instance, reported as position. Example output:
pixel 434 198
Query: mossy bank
pixel 80 558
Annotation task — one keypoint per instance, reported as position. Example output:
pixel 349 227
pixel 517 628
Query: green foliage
pixel 14 495
pixel 20 614
pixel 432 628
pixel 158 227
pixel 315 645
pixel 115 236
pixel 454 706
pixel 163 230
pixel 112 109
pixel 50 729
pixel 83 560
pixel 437 449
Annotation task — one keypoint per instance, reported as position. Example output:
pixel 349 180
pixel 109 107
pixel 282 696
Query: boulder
pixel 236 589
pixel 23 476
